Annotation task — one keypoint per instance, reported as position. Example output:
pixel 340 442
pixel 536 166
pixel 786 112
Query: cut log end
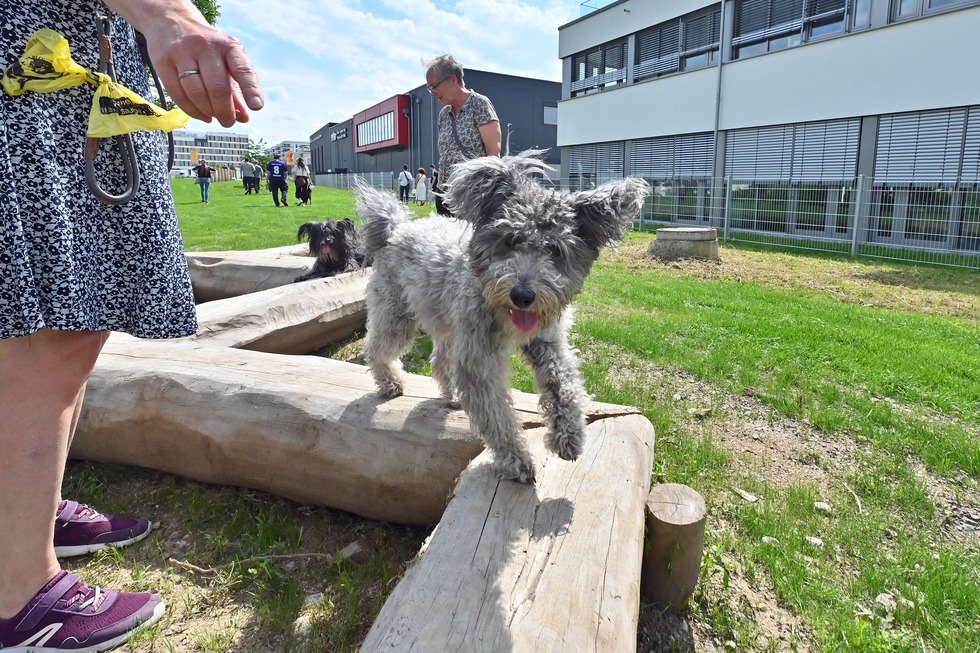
pixel 676 517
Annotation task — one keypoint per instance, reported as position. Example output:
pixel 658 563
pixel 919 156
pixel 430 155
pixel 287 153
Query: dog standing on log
pixel 334 245
pixel 500 276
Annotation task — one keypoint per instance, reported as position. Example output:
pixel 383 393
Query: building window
pixel 684 43
pixel 700 38
pixel 769 25
pixel 594 164
pixel 902 9
pixel 376 130
pixel 599 68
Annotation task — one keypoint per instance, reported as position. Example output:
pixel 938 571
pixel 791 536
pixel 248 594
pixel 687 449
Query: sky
pixel 322 61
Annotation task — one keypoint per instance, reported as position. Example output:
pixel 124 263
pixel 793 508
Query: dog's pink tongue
pixel 524 321
pixel 325 249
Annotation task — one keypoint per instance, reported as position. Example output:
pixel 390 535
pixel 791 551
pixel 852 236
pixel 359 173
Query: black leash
pixel 124 141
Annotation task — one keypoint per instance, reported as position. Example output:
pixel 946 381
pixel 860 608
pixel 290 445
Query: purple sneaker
pixel 68 615
pixel 80 529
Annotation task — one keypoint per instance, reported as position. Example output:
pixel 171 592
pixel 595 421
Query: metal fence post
pixel 859 214
pixel 727 211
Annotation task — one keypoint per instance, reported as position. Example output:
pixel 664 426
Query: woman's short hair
pixel 445 66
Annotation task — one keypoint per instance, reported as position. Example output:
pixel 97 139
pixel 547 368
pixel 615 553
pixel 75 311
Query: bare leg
pixel 42 381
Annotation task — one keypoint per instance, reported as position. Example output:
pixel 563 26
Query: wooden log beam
pixel 218 275
pixel 554 567
pixel 296 318
pixel 307 428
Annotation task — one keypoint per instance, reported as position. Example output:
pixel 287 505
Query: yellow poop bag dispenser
pixel 46 66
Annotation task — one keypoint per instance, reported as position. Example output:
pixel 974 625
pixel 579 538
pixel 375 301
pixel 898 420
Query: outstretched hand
pixel 205 71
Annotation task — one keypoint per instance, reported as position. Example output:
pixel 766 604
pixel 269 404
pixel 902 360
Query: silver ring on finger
pixel 188 73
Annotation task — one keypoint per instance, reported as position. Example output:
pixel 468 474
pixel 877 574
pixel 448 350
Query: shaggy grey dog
pixel 500 276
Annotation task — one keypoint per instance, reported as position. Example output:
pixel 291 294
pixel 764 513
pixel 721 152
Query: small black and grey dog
pixel 334 243
pixel 501 276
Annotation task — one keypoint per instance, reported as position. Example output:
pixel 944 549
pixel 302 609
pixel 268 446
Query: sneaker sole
pixel 101 646
pixel 84 549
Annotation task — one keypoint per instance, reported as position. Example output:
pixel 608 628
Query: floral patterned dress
pixel 67 261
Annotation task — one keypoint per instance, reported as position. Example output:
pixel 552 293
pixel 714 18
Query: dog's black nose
pixel 522 296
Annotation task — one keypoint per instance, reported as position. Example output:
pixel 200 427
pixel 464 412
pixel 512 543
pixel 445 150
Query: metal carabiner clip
pixel 124 141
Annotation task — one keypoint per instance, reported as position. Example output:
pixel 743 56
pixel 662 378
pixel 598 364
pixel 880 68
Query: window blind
pixel 808 152
pixel 920 147
pixel 671 157
pixel 606 159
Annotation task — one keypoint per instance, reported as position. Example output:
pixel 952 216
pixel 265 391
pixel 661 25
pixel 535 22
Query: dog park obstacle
pixel 314 430
pixel 548 567
pixel 675 517
pixel 686 242
pixel 288 319
pixel 218 275
pixel 307 428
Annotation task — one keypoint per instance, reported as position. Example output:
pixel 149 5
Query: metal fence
pixel 344 181
pixel 936 223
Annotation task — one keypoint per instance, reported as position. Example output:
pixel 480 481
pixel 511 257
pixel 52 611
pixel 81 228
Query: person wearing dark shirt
pixel 276 174
pixel 204 173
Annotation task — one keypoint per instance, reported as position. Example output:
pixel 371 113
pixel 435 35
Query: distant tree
pixel 209 9
pixel 258 151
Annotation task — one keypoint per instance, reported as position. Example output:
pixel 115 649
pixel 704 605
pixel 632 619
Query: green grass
pixel 232 220
pixel 881 369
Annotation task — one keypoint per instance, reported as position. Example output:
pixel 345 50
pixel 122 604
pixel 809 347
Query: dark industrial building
pixel 402 129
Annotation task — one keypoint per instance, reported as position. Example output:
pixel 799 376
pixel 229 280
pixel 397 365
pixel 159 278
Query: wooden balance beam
pixel 307 428
pixel 549 568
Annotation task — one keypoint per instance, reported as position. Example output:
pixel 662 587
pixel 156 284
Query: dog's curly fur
pixel 502 275
pixel 334 245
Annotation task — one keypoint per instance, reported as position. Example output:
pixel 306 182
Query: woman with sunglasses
pixel 468 126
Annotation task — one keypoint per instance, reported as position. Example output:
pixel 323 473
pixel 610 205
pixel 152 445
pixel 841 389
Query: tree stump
pixel 686 242
pixel 676 515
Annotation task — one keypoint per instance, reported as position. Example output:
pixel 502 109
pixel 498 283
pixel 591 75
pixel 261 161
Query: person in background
pixel 72 270
pixel 421 186
pixel 204 173
pixel 434 187
pixel 248 170
pixel 303 181
pixel 467 126
pixel 256 176
pixel 277 174
pixel 404 183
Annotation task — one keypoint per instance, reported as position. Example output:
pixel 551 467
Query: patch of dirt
pixel 784 452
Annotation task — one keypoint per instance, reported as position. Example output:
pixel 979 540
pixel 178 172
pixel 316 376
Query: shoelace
pixel 85 511
pixel 88 595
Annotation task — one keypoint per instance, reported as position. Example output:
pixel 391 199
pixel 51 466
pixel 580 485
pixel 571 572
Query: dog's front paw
pixel 451 403
pixel 391 389
pixel 567 444
pixel 515 466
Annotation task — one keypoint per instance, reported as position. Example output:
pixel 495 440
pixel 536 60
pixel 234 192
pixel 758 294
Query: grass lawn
pixel 841 397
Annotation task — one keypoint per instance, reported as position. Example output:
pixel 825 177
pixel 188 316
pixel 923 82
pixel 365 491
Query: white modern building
pixel 218 148
pixel 713 101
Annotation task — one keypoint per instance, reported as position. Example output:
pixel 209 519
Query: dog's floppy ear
pixel 348 226
pixel 306 229
pixel 606 213
pixel 480 186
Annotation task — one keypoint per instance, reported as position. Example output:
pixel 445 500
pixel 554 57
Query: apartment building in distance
pixel 218 148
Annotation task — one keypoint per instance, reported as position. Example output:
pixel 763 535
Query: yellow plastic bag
pixel 46 66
